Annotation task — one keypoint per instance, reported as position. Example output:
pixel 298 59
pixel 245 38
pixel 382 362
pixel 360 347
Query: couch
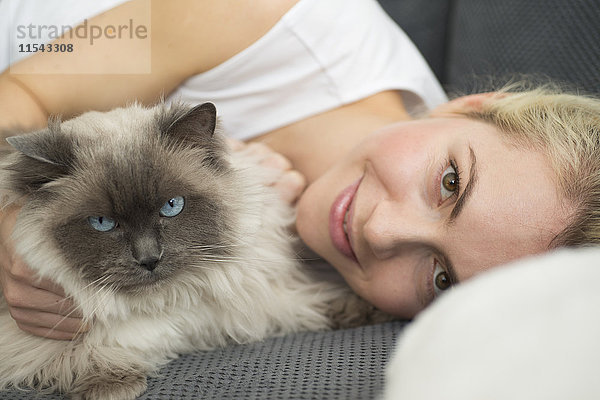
pixel 466 42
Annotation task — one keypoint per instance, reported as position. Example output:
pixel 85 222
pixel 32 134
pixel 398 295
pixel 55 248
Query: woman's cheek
pixel 396 290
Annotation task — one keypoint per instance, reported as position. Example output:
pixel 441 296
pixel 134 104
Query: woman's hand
pixel 38 306
pixel 289 183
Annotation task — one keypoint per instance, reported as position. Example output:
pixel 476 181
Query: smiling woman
pixel 403 208
pixel 485 179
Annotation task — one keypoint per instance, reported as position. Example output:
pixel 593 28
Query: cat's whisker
pixel 97 282
pixel 217 268
pixel 89 319
pixel 204 267
pixel 100 285
pixel 213 246
pixel 104 290
pixel 100 281
pixel 94 296
pixel 211 257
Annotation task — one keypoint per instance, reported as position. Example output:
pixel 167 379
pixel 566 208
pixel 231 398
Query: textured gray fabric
pixel 425 22
pixel 345 364
pixel 558 39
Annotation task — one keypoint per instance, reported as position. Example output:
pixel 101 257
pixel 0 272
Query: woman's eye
pixel 441 280
pixel 102 224
pixel 172 207
pixel 449 183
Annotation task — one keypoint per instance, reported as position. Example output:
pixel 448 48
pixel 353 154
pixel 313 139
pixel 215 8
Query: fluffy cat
pixel 167 241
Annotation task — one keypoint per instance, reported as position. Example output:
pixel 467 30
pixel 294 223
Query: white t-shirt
pixel 322 54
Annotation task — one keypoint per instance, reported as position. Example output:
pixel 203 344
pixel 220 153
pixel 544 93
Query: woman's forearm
pixel 68 84
pixel 19 108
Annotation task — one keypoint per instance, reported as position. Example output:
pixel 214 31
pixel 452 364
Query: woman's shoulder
pixel 319 56
pixel 364 51
pixel 179 40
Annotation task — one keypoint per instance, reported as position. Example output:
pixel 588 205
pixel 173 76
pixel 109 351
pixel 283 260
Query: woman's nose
pixel 393 226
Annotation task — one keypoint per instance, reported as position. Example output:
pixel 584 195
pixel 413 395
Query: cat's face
pixel 133 197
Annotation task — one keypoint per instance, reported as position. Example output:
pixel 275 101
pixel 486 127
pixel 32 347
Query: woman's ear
pixel 472 102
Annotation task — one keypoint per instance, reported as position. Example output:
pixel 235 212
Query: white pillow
pixel 530 331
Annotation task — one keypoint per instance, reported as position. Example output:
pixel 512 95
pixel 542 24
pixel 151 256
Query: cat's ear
pixel 195 126
pixel 43 157
pixel 47 146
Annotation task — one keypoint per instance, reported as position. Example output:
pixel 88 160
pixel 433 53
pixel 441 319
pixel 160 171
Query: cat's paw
pixel 114 386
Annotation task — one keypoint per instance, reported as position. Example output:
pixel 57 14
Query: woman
pixel 401 208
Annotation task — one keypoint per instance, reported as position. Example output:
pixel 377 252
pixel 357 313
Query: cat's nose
pixel 149 262
pixel 146 249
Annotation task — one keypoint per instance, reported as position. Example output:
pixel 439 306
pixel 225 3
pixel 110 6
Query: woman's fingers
pixel 38 306
pixel 22 295
pixel 291 185
pixel 288 182
pixel 235 144
pixel 271 159
pixel 43 313
pixel 39 311
pixel 22 288
pixel 18 271
pixel 52 333
pixel 48 325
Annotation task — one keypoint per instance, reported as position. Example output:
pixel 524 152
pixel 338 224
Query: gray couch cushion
pixel 425 22
pixel 558 39
pixel 345 364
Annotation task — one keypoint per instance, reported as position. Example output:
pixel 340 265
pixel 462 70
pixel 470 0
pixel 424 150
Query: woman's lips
pixel 337 215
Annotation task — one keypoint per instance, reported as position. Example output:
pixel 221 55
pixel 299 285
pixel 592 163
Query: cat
pixel 166 240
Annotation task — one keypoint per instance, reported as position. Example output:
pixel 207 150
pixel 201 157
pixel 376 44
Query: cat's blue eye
pixel 102 224
pixel 172 207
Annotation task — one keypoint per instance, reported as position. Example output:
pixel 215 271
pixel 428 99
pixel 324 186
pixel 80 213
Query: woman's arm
pixel 18 108
pixel 186 37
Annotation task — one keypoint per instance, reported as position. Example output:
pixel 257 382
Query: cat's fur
pixel 226 273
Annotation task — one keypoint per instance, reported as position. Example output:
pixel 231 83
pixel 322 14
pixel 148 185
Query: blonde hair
pixel 564 126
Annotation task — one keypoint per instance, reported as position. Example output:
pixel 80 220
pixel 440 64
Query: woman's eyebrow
pixel 460 203
pixel 451 272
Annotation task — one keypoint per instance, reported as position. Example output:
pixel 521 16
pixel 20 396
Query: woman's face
pixel 419 204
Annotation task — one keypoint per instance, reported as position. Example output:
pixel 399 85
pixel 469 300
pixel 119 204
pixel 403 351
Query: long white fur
pixel 529 331
pixel 259 292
